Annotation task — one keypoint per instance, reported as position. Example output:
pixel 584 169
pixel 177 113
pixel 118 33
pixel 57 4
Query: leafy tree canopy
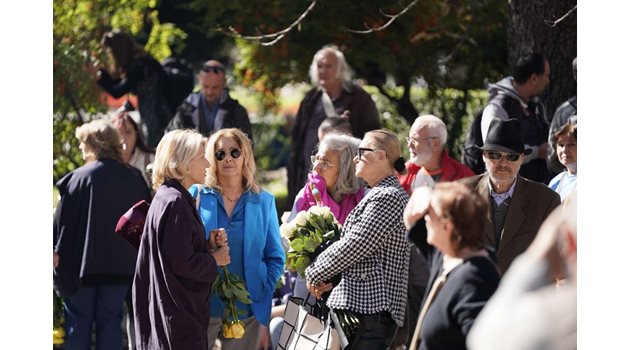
pixel 78 26
pixel 454 43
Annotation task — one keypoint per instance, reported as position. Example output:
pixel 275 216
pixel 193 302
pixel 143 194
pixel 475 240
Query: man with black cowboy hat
pixel 517 206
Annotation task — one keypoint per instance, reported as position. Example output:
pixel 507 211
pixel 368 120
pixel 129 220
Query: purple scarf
pixel 339 210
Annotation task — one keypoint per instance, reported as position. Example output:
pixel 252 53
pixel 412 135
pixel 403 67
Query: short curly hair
pixel 102 139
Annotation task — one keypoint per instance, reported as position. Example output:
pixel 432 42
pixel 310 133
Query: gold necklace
pixel 225 196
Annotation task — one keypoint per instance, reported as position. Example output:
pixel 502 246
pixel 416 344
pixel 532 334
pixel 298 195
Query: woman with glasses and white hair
pixel 372 254
pixel 231 199
pixel 333 178
pixel 175 269
pixel 333 95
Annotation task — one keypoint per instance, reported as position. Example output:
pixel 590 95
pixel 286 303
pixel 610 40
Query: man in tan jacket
pixel 517 206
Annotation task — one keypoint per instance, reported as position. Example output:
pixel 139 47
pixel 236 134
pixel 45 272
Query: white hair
pixel 343 70
pixel 434 124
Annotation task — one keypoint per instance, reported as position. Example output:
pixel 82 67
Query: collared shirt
pixel 500 197
pixel 235 230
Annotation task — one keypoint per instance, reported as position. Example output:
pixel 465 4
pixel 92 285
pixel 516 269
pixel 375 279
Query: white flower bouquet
pixel 309 234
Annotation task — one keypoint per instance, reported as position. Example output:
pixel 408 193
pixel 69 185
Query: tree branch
pixel 553 23
pixel 391 20
pixel 270 39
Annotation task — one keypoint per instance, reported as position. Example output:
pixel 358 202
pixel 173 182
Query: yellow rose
pixel 58 334
pixel 227 331
pixel 238 329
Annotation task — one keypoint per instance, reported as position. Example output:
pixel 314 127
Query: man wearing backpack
pixel 211 108
pixel 516 97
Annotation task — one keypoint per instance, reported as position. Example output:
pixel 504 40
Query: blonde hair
pixel 102 138
pixel 249 164
pixel 383 139
pixel 173 154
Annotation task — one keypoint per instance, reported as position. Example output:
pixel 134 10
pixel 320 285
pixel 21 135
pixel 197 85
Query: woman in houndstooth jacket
pixel 372 254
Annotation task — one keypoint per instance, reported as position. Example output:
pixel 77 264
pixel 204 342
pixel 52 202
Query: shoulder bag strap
pixel 328 105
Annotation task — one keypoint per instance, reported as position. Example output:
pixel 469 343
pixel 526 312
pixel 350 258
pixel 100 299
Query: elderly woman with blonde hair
pixel 231 199
pixel 93 266
pixel 175 269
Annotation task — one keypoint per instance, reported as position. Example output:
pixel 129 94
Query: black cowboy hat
pixel 505 136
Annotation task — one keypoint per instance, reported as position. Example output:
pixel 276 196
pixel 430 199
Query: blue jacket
pixel 265 254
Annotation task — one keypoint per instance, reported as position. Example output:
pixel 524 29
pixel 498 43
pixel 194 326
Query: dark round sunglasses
pixel 220 154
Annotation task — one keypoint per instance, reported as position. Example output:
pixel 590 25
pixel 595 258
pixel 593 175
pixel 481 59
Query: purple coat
pixel 174 273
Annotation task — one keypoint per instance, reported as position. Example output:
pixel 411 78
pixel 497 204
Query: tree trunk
pixel 527 31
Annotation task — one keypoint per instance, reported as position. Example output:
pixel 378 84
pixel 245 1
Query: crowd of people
pixel 430 256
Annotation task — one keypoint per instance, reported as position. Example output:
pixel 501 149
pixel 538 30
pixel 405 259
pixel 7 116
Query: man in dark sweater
pixel 516 98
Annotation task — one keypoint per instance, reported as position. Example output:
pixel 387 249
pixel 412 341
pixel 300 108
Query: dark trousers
pixel 101 305
pixel 376 331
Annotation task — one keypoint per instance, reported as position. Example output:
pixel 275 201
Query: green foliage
pixel 78 26
pixel 455 107
pixel 66 153
pixel 455 44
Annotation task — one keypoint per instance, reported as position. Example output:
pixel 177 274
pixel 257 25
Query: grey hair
pixel 346 146
pixel 434 124
pixel 343 70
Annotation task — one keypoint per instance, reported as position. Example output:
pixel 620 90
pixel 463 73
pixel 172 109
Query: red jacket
pixel 451 170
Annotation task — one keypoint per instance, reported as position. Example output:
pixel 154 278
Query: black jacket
pixel 363 118
pixel 93 198
pixel 231 114
pixel 466 291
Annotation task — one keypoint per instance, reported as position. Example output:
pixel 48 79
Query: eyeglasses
pixel 220 154
pixel 360 152
pixel 324 164
pixel 415 141
pixel 214 69
pixel 512 157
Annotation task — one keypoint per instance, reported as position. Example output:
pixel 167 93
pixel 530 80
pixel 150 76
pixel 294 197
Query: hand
pixel 265 338
pixel 318 290
pixel 222 256
pixel 547 244
pixel 55 259
pixel 218 238
pixel 418 205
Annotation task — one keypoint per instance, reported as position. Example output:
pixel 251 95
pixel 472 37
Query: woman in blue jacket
pixel 231 199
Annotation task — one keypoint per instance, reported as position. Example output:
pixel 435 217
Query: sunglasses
pixel 512 157
pixel 360 152
pixel 220 154
pixel 213 69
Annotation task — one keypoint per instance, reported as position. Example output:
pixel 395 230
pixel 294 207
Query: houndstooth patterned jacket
pixel 372 255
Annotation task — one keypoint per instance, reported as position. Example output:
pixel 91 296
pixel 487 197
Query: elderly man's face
pixel 421 145
pixel 212 85
pixel 327 70
pixel 502 171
